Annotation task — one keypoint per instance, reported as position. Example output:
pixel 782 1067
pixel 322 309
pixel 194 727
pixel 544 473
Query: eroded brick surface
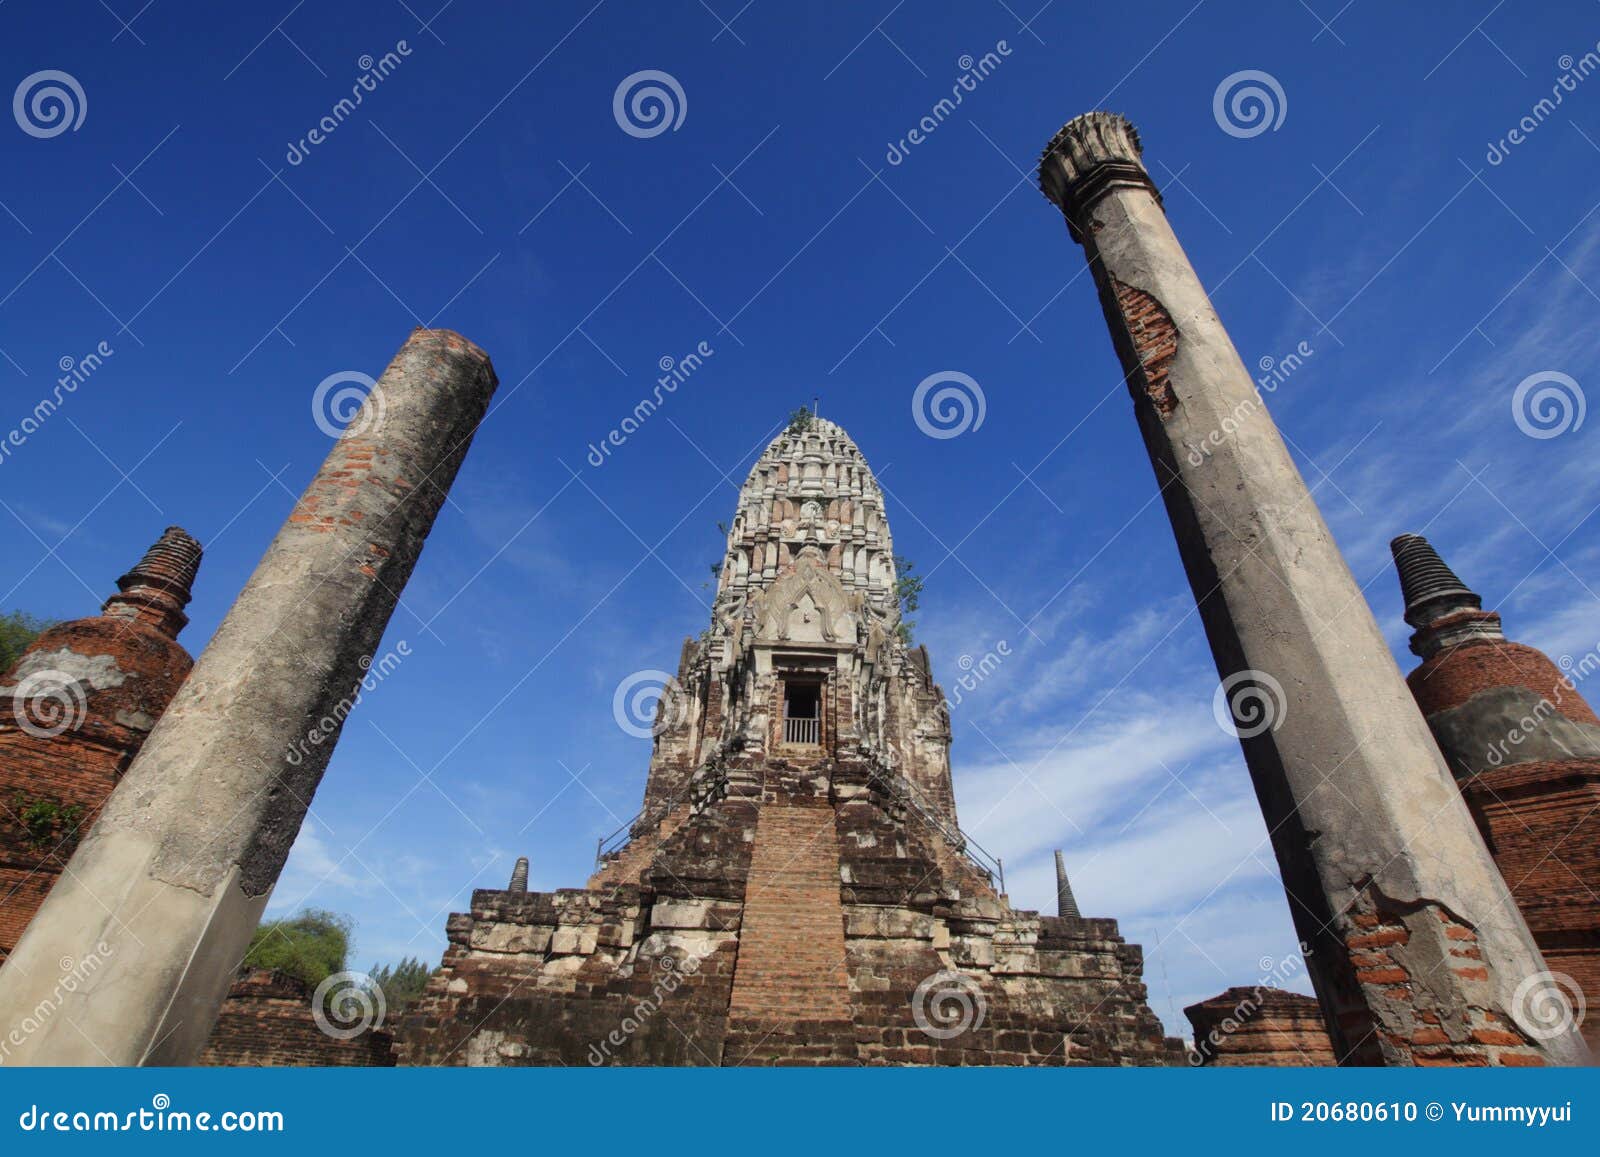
pixel 1251 1027
pixel 97 685
pixel 267 1020
pixel 1154 338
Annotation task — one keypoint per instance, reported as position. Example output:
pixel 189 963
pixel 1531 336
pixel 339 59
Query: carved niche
pixel 808 606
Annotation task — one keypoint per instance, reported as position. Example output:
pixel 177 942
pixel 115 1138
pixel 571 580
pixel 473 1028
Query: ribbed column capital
pixel 1090 156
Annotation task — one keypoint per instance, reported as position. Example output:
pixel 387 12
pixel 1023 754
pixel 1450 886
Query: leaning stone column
pixel 156 907
pixel 1417 952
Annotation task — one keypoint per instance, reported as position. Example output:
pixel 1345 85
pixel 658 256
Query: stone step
pixel 791 996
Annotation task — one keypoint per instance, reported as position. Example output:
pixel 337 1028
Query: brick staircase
pixel 791 996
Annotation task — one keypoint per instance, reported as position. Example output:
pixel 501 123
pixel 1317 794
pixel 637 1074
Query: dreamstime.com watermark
pixel 74 372
pixel 670 973
pixel 48 103
pixel 1548 1005
pixel 74 974
pixel 160 1117
pixel 1274 974
pixel 948 404
pixel 648 702
pixel 1249 102
pixel 1573 73
pixel 347 1004
pixel 1274 372
pixel 974 673
pixel 674 372
pixel 49 702
pixel 948 1004
pixel 374 673
pixel 973 73
pixel 373 73
pixel 1249 703
pixel 1573 672
pixel 1548 404
pixel 648 103
pixel 340 404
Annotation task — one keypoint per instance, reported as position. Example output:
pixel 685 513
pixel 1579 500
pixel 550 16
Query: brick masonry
pixel 733 899
pixel 1259 1027
pixel 74 711
pixel 267 1020
pixel 1524 747
pixel 790 903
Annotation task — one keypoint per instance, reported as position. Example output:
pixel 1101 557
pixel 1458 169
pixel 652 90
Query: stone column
pixel 1417 952
pixel 157 906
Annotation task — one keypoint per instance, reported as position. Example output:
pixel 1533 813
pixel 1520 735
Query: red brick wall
pixel 1259 1026
pixel 1456 674
pixel 75 771
pixel 267 1021
pixel 1542 822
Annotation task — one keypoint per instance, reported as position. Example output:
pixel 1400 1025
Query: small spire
pixel 1433 594
pixel 519 876
pixel 160 586
pixel 1066 905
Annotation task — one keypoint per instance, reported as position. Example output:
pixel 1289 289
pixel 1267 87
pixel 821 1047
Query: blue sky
pixel 485 184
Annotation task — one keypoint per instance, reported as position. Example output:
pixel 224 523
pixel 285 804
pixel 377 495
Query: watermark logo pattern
pixel 347 1004
pixel 947 1004
pixel 1249 703
pixel 647 703
pixel 1249 102
pixel 948 404
pixel 1548 404
pixel 648 103
pixel 1547 1005
pixel 337 404
pixel 48 103
pixel 48 703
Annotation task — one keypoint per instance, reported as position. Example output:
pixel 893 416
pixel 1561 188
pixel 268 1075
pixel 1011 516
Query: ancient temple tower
pixel 797 888
pixel 1524 747
pixel 74 711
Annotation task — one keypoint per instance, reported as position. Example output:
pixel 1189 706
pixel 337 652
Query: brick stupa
pixel 1524 746
pixel 78 705
pixel 797 888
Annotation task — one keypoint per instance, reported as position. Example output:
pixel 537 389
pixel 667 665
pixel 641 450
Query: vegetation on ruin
pixel 401 984
pixel 310 946
pixel 800 420
pixel 17 630
pixel 46 820
pixel 908 590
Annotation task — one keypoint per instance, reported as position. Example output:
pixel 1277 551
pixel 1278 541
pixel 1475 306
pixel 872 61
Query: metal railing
pixel 901 788
pixel 808 731
pixel 623 836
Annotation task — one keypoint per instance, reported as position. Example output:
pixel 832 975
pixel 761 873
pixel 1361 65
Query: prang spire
pixel 1444 609
pixel 1066 904
pixel 157 589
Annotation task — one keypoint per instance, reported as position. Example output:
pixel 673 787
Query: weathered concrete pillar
pixel 1416 949
pixel 164 892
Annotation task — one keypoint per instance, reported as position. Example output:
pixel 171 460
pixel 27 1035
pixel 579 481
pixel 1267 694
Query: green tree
pixel 401 984
pixel 800 420
pixel 908 590
pixel 17 630
pixel 310 946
